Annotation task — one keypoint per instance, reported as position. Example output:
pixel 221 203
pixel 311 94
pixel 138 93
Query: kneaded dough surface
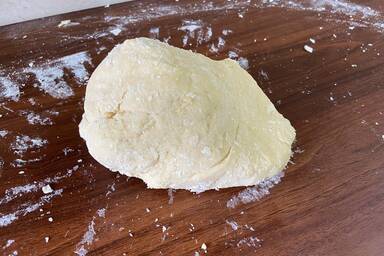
pixel 177 119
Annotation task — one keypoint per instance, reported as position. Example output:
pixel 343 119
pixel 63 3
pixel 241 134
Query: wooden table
pixel 331 199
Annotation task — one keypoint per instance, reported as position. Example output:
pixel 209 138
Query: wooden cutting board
pixel 331 199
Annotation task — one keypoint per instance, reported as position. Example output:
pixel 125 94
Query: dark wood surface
pixel 331 199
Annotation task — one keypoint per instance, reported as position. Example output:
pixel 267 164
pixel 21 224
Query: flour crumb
pixel 204 247
pixel 101 212
pixel 3 133
pixel 312 40
pixel 67 23
pixel 233 224
pixel 9 243
pixel 115 31
pixel 154 32
pixel 243 62
pixel 50 219
pixel 308 48
pixel 46 239
pixel 47 189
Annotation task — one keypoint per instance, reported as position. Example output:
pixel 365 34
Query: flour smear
pixel 255 193
pixel 50 75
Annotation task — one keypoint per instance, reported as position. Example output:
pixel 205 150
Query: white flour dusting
pixel 195 29
pixel 170 195
pixel 67 23
pixel 50 75
pixel 154 32
pixel 354 14
pixel 232 55
pixel 115 31
pixel 9 243
pixel 89 235
pixel 18 191
pixel 24 143
pixel 233 224
pixel 243 62
pixel 3 133
pixel 8 89
pixel 27 208
pixel 251 241
pixel 101 212
pixel 87 239
pixel 35 118
pixel 255 193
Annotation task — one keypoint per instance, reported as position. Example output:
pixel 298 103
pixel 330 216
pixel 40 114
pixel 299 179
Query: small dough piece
pixel 177 119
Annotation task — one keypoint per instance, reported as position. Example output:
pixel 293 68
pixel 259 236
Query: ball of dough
pixel 177 119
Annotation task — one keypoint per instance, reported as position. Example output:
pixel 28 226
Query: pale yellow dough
pixel 177 119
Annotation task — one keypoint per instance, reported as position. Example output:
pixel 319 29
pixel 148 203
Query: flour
pixel 24 143
pixel 170 196
pixel 89 235
pixel 87 239
pixel 115 31
pixel 233 224
pixel 255 193
pixel 9 243
pixel 19 191
pixel 50 75
pixel 101 212
pixel 35 118
pixel 3 133
pixel 154 32
pixel 8 89
pixel 195 29
pixel 243 62
pixel 358 15
pixel 27 208
pixel 251 241
pixel 67 23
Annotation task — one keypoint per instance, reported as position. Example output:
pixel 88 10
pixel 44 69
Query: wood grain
pixel 331 200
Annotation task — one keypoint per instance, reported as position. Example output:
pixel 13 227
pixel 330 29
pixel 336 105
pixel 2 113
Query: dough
pixel 177 119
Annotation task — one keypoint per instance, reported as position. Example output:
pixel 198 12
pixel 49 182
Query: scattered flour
pixel 252 241
pixel 195 29
pixel 27 208
pixel 154 32
pixel 115 31
pixel 232 55
pixel 24 143
pixel 18 191
pixel 67 23
pixel 35 118
pixel 358 15
pixel 89 235
pixel 243 62
pixel 233 224
pixel 3 133
pixel 8 89
pixel 170 195
pixel 9 243
pixel 50 75
pixel 101 212
pixel 255 193
pixel 87 239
